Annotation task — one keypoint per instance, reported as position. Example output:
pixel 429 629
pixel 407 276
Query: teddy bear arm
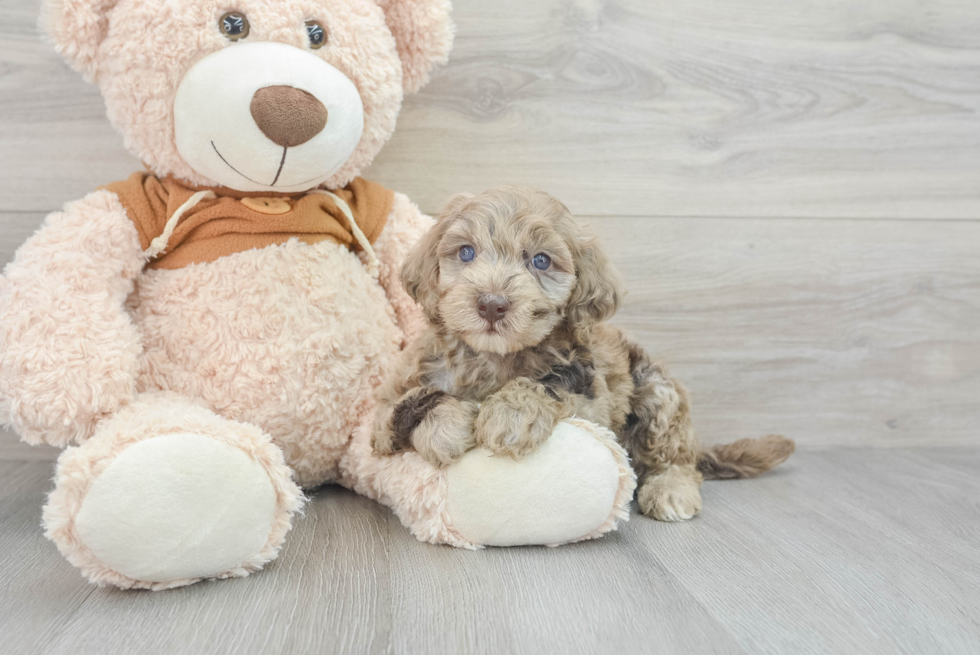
pixel 406 225
pixel 577 485
pixel 68 348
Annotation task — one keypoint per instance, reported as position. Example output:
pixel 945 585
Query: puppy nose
pixel 287 115
pixel 492 307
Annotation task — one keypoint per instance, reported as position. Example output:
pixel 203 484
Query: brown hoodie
pixel 235 221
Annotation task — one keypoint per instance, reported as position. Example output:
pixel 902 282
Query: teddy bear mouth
pixel 282 162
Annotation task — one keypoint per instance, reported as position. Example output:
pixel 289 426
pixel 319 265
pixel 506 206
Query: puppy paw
pixel 447 433
pixel 437 425
pixel 516 420
pixel 673 495
pixel 383 440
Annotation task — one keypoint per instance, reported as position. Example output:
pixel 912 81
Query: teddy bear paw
pixel 576 485
pixel 164 510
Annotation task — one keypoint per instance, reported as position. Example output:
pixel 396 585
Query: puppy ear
pixel 423 33
pixel 77 29
pixel 454 204
pixel 420 272
pixel 598 288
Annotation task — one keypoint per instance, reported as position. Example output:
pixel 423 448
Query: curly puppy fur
pixel 547 355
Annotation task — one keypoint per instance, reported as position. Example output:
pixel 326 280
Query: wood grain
pixel 610 595
pixel 12 449
pixel 833 332
pixel 327 593
pixel 736 158
pixel 39 589
pixel 758 107
pixel 621 107
pixel 843 551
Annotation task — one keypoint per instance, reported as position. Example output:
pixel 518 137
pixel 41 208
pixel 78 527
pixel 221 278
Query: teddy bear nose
pixel 492 307
pixel 287 115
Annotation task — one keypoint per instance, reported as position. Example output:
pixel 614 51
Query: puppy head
pixel 501 270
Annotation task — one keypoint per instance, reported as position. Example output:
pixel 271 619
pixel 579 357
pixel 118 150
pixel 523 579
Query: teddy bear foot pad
pixel 574 487
pixel 169 509
pixel 207 510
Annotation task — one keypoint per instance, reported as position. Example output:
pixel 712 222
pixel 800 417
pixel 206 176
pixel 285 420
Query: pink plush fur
pixel 301 359
pixel 417 491
pixel 77 28
pixel 424 34
pixel 62 300
pixel 138 54
pixel 305 372
pixel 413 488
pixel 405 226
pixel 275 351
pixel 151 416
pixel 200 327
pixel 182 338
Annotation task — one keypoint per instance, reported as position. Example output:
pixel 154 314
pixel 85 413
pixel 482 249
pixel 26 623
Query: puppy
pixel 518 298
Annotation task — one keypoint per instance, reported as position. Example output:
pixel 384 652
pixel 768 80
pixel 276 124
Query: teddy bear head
pixel 255 95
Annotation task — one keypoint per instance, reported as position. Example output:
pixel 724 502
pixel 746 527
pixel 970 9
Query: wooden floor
pixel 792 192
pixel 841 551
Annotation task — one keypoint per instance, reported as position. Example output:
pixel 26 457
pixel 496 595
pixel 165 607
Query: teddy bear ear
pixel 423 32
pixel 77 29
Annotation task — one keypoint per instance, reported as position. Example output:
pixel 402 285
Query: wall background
pixel 792 190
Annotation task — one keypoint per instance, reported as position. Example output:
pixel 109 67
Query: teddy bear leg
pixel 167 493
pixel 577 485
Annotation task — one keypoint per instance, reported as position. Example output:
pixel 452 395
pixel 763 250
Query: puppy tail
pixel 745 458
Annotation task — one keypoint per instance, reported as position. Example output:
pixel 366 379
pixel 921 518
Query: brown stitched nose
pixel 492 307
pixel 287 115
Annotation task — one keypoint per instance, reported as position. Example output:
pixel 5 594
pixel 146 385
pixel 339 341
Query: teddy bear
pixel 205 337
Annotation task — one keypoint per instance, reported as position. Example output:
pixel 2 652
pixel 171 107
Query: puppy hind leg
pixel 672 494
pixel 662 443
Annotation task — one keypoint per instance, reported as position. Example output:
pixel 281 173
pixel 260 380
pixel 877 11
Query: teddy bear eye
pixel 541 261
pixel 316 34
pixel 467 253
pixel 234 25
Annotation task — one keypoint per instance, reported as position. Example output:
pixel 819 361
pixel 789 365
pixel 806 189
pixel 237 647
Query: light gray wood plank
pixel 12 449
pixel 850 550
pixel 624 107
pixel 963 460
pixel 327 593
pixel 835 333
pixel 919 499
pixel 756 107
pixel 39 590
pixel 57 142
pixel 15 229
pixel 821 557
pixel 605 596
pixel 831 332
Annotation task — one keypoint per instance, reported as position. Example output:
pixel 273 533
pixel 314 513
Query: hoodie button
pixel 271 206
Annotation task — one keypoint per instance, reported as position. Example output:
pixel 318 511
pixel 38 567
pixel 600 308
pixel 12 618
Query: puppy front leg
pixel 437 425
pixel 518 418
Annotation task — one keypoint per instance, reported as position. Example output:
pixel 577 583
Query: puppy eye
pixel 467 254
pixel 233 25
pixel 316 34
pixel 541 261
